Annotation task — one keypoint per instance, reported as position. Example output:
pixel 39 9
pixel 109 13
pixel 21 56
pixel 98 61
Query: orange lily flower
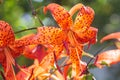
pixel 6 38
pixel 81 27
pixel 69 36
pixel 10 49
pixel 109 57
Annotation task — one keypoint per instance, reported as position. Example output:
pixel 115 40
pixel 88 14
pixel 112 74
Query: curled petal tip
pixel 75 8
pixel 61 16
pixel 45 10
pixel 115 35
pixel 49 7
pixel 101 41
pixel 89 10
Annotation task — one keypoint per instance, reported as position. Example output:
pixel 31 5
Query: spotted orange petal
pixel 49 35
pixel 24 41
pixel 61 16
pixel 83 19
pixel 18 46
pixel 75 57
pixel 49 59
pixel 89 36
pixel 115 35
pixel 6 34
pixel 108 57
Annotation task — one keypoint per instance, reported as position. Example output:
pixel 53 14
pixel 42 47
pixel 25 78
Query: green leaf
pixel 104 63
pixel 88 77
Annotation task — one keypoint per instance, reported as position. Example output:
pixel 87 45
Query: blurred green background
pixel 18 13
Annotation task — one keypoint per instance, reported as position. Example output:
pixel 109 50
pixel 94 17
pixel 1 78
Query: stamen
pixel 9 59
pixel 72 39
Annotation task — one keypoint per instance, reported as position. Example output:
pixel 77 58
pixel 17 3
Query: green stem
pixel 25 30
pixel 34 13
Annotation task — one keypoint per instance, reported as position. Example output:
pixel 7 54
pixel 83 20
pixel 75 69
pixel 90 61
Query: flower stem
pixel 34 13
pixel 25 30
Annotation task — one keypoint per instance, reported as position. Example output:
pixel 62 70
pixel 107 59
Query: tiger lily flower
pixel 109 57
pixel 71 36
pixel 6 59
pixel 10 49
